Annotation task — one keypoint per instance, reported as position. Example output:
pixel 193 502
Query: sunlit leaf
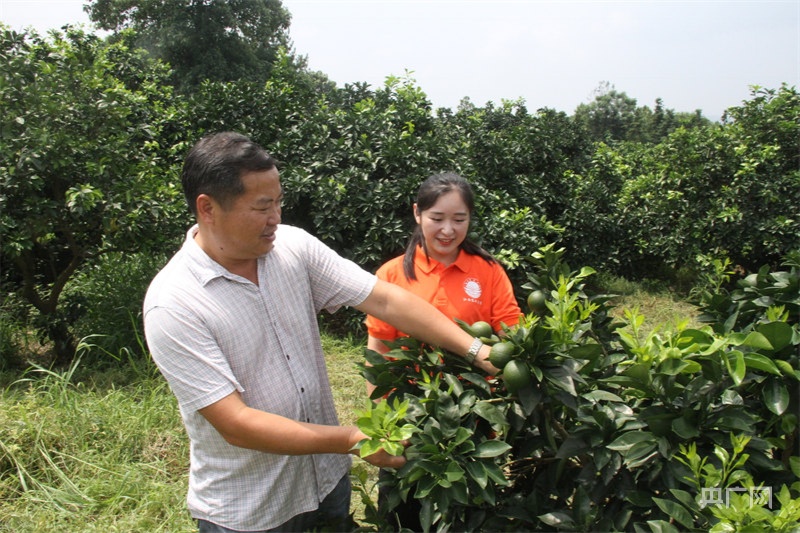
pixel 776 396
pixel 491 448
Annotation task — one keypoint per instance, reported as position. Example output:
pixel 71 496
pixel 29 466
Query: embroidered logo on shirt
pixel 473 288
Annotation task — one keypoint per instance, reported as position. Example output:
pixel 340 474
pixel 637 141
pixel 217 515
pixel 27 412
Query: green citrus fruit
pixel 536 301
pixel 482 329
pixel 501 354
pixel 516 375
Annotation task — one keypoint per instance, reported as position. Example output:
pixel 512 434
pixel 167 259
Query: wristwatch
pixel 472 353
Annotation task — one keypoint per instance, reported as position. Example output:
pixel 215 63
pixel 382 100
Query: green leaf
pixel 425 486
pixel 477 380
pixel 786 367
pixel 557 519
pixel 586 351
pixel 757 340
pixel 673 366
pixel 662 526
pixel 675 511
pixel 778 334
pixel 717 344
pixel 761 362
pixel 454 472
pixel 601 395
pixel 462 435
pixel 491 413
pixel 571 447
pixel 685 429
pixel 627 440
pixel 694 338
pixel 477 472
pixel 495 474
pixel 794 464
pixel 639 454
pixel 491 448
pixel 404 433
pixel 448 415
pixel 562 378
pixel 776 396
pixel 393 448
pixel 369 447
pixel 734 361
pixel 426 514
pixel 686 499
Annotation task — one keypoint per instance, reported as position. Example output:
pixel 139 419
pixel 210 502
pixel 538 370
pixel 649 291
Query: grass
pixel 82 456
pixel 662 309
pixel 84 451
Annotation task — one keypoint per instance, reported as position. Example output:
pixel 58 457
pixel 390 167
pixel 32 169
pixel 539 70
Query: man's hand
pixel 380 458
pixel 384 460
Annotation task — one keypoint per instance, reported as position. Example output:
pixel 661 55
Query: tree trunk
pixel 64 343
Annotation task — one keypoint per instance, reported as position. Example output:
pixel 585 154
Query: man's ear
pixel 206 207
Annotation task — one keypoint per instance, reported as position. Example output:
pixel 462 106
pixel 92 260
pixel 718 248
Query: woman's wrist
pixel 473 350
pixel 482 361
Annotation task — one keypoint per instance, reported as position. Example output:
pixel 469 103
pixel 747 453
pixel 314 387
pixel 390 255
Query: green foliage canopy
pixel 84 149
pixel 612 429
pixel 731 190
pixel 202 40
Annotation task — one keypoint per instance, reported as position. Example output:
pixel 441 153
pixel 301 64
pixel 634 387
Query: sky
pixel 692 54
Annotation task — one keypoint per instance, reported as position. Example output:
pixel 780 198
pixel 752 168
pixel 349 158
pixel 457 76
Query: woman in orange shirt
pixel 444 267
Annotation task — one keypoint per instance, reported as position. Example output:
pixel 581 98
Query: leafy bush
pixel 731 189
pixel 758 297
pixel 86 142
pixel 108 298
pixel 593 426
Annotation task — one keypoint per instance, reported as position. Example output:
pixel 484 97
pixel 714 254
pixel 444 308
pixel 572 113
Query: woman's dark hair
pixel 427 195
pixel 215 166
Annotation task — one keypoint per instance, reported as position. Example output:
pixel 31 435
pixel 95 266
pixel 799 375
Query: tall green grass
pixel 82 456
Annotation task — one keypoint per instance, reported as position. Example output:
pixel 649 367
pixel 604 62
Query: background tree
pixel 614 116
pixel 728 190
pixel 86 140
pixel 610 117
pixel 202 39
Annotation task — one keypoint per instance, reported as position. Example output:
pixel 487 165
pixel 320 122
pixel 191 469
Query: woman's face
pixel 444 226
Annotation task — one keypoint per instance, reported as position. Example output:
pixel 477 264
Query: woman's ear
pixel 417 214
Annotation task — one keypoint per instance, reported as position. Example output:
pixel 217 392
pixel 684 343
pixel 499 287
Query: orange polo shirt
pixel 470 289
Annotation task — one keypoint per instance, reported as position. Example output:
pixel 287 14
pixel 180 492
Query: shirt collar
pixel 199 263
pixel 429 264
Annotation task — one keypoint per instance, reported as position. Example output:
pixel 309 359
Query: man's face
pixel 246 229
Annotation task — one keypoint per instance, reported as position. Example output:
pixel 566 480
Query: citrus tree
pixel 84 152
pixel 732 189
pixel 592 426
